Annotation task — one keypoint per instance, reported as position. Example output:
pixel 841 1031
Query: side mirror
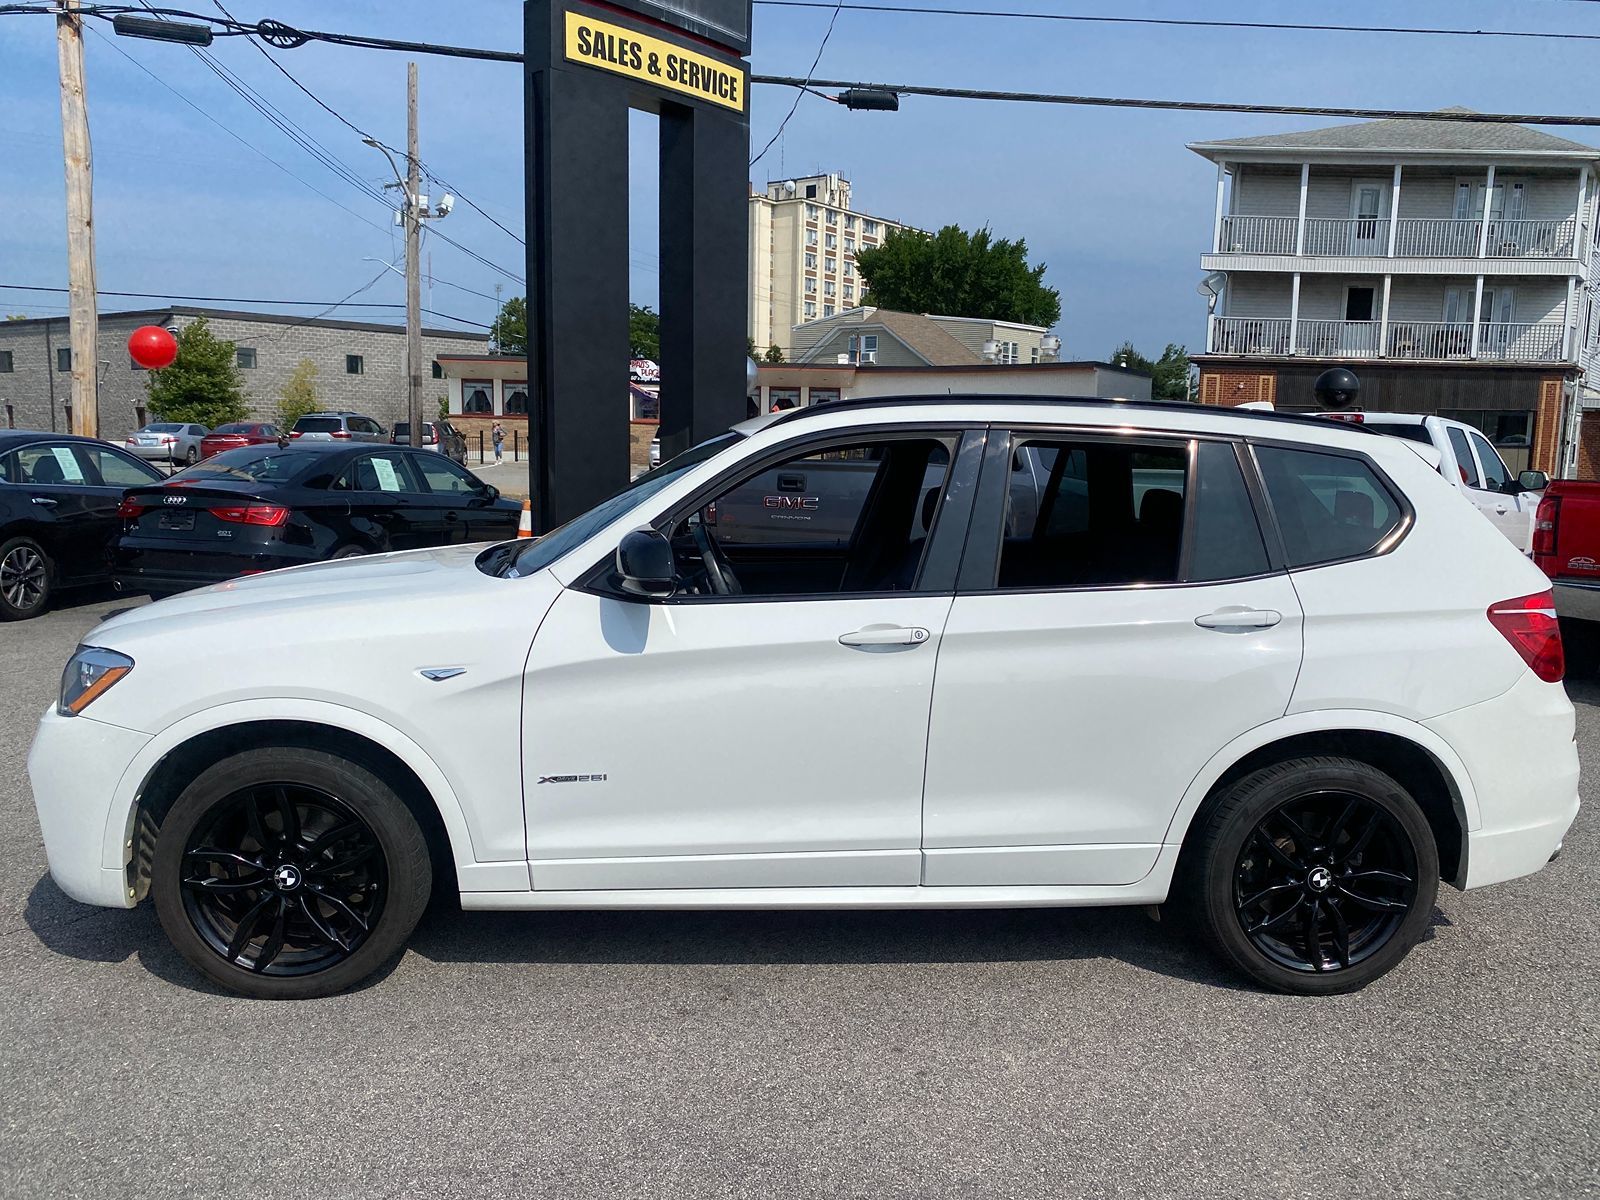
pixel 644 560
pixel 491 493
pixel 1532 481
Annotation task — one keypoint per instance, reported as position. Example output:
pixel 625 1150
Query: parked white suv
pixel 1267 669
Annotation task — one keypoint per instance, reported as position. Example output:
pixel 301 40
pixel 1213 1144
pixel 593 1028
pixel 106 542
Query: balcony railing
pixel 1414 237
pixel 1499 341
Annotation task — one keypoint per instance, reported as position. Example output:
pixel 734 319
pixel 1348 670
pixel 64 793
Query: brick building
pixel 360 366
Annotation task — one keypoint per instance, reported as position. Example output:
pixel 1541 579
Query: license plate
pixel 176 520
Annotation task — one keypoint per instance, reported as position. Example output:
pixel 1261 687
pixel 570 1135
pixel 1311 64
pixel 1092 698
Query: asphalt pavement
pixel 1085 1053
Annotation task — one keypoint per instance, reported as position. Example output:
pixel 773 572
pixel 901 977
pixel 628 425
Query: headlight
pixel 89 674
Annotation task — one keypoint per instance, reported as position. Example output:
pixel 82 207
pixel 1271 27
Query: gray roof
pixel 1414 135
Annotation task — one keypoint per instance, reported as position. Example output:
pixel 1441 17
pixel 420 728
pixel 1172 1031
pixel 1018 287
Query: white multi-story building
pixel 1450 264
pixel 804 236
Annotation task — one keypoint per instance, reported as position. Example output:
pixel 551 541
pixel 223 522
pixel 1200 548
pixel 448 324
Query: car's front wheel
pixel 1316 875
pixel 25 579
pixel 288 873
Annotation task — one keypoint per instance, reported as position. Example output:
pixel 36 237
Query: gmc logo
pixel 792 502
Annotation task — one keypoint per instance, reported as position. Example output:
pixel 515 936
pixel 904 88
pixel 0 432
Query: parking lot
pixel 1034 1053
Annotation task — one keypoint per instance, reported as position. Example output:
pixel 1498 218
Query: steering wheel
pixel 719 574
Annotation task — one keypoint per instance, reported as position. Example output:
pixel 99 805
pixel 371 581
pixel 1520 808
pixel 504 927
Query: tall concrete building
pixel 804 236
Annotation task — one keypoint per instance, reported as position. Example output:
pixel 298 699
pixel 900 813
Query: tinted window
pixel 389 473
pixel 318 424
pixel 1469 472
pixel 1412 433
pixel 1329 507
pixel 116 470
pixel 443 477
pixel 252 464
pixel 1104 514
pixel 49 464
pixel 1227 541
pixel 1495 475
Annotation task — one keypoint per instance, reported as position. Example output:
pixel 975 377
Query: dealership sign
pixel 624 51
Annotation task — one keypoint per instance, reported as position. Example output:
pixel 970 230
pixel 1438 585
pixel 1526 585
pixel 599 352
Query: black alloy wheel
pixel 288 872
pixel 1324 881
pixel 284 879
pixel 1314 875
pixel 24 579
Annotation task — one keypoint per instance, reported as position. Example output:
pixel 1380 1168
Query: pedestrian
pixel 498 433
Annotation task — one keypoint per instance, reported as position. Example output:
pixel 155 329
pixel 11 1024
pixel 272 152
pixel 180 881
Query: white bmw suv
pixel 1001 652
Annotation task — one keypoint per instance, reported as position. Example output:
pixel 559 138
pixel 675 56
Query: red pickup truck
pixel 1566 546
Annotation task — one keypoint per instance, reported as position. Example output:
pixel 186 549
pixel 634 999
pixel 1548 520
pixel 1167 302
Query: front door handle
pixel 452 515
pixel 885 635
pixel 45 501
pixel 1237 618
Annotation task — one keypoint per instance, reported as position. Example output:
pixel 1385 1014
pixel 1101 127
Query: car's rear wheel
pixel 25 579
pixel 1316 875
pixel 287 873
pixel 192 456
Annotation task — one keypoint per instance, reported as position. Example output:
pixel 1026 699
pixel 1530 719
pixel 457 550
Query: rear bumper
pixel 1523 764
pixel 1577 600
pixel 155 453
pixel 151 566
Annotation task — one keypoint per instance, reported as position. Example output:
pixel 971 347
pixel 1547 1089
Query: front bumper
pixel 75 767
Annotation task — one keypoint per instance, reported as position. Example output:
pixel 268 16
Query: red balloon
pixel 152 347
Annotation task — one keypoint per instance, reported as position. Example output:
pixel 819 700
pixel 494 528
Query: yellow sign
pixel 663 64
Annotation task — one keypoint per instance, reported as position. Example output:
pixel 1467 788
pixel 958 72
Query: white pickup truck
pixel 1471 465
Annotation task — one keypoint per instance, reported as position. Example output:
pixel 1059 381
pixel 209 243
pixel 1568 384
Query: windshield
pixel 513 560
pixel 250 465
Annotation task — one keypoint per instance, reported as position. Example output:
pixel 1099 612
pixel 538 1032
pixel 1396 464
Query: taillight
pixel 129 509
pixel 251 514
pixel 1529 624
pixel 341 433
pixel 1544 526
pixel 1354 418
pixel 294 433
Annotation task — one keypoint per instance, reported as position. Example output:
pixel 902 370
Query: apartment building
pixel 1450 264
pixel 804 235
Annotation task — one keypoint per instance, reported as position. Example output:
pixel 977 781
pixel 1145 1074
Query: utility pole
pixel 414 216
pixel 83 315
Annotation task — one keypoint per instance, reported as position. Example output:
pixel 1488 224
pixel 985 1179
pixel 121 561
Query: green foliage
pixel 749 347
pixel 775 353
pixel 1169 374
pixel 203 385
pixel 509 333
pixel 644 333
pixel 298 396
pixel 958 274
pixel 444 407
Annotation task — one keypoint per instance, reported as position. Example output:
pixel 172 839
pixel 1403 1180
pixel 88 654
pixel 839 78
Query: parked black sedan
pixel 261 507
pixel 58 514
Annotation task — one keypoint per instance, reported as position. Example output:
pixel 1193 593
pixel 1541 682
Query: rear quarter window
pixel 1329 507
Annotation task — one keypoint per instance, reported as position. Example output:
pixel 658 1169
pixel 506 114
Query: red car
pixel 243 433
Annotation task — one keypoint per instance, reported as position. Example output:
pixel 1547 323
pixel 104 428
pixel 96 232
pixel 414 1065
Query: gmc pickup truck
pixel 1566 546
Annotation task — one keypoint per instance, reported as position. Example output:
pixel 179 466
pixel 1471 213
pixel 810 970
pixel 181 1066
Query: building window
pixel 833 217
pixel 64 360
pixel 863 347
pixel 811 211
pixel 832 241
pixel 869 228
pixel 477 398
pixel 245 356
pixel 828 288
pixel 827 310
pixel 1510 431
pixel 849 291
pixel 811 284
pixel 782 399
pixel 811 309
pixel 849 244
pixel 354 364
pixel 516 399
pixel 811 261
pixel 849 269
pixel 811 237
pixel 6 365
pixel 833 264
pixel 823 395
pixel 1033 354
pixel 811 194
pixel 849 220
pixel 438 371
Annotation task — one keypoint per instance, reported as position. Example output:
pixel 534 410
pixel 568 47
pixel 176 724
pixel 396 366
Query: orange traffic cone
pixel 525 525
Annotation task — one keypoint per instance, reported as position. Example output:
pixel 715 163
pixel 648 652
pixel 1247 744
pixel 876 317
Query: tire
pixel 27 578
pixel 320 858
pixel 348 552
pixel 1294 855
pixel 192 456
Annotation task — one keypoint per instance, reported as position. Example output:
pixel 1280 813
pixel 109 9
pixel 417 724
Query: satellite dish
pixel 790 187
pixel 1212 284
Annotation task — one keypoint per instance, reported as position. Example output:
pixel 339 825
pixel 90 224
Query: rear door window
pixel 383 473
pixel 1329 507
pixel 1463 452
pixel 1226 542
pixel 49 463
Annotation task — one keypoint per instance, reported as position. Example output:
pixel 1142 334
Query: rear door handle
pixel 452 515
pixel 45 500
pixel 885 635
pixel 1239 618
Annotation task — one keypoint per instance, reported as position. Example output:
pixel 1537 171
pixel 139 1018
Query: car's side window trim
pixel 955 435
pixel 1389 541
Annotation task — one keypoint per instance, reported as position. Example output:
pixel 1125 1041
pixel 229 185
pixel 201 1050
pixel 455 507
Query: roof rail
pixel 870 402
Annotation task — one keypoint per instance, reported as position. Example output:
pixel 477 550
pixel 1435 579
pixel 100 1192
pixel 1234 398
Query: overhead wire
pixel 784 124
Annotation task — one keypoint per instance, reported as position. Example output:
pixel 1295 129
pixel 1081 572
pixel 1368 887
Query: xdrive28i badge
pixel 572 779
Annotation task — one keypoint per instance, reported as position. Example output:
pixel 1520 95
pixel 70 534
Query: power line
pixel 1383 114
pixel 784 124
pixel 19 287
pixel 1191 23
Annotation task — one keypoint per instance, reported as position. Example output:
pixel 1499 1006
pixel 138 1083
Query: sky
pixel 187 201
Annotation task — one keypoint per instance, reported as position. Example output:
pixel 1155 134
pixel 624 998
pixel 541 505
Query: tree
pixel 509 333
pixel 202 385
pixel 298 396
pixel 644 333
pixel 775 353
pixel 958 274
pixel 1169 374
